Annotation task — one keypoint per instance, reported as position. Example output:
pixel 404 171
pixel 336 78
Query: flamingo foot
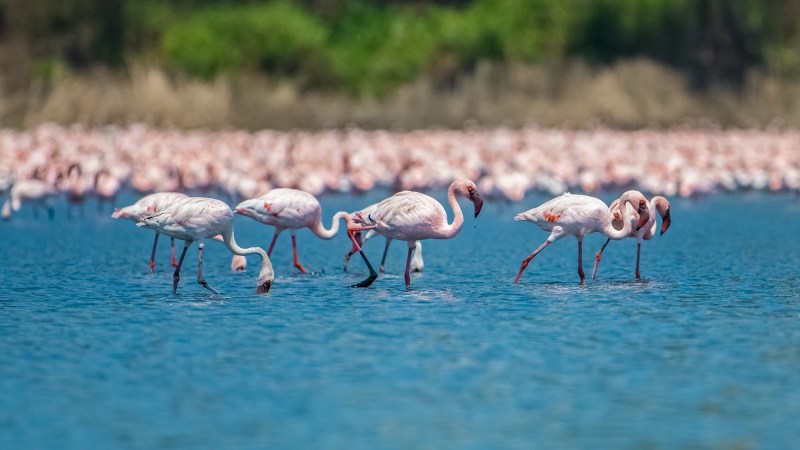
pixel 152 266
pixel 300 267
pixel 205 285
pixel 380 269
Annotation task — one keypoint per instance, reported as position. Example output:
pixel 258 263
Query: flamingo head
pixel 265 280
pixel 662 206
pixel 252 208
pixel 470 191
pixel 638 201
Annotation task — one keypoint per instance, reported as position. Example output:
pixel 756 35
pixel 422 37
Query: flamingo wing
pixel 408 209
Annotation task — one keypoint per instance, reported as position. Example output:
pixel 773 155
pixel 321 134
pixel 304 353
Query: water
pixel 704 352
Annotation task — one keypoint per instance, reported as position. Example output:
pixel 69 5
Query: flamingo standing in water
pixel 148 206
pixel 413 216
pixel 646 232
pixel 579 215
pixel 199 218
pixel 417 262
pixel 34 191
pixel 290 209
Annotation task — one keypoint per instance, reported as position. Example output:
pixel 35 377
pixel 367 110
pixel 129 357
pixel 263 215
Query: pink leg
pixel 353 249
pixel 580 261
pixel 372 274
pixel 272 244
pixel 408 263
pixel 638 251
pixel 172 244
pixel 529 258
pixel 153 255
pixel 597 258
pixel 294 251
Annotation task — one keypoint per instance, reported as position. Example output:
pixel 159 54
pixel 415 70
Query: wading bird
pixel 579 215
pixel 290 209
pixel 36 192
pixel 413 216
pixel 646 232
pixel 199 218
pixel 417 262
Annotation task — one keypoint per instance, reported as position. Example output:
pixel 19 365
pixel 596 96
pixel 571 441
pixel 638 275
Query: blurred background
pixel 400 64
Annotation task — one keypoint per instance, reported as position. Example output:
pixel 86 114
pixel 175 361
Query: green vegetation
pixel 369 48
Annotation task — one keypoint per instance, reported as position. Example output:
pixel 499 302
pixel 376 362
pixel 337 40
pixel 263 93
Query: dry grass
pixel 631 94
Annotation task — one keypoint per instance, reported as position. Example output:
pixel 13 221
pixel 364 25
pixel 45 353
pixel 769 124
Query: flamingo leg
pixel 353 249
pixel 385 251
pixel 176 276
pixel 580 261
pixel 598 257
pixel 272 244
pixel 172 250
pixel 153 255
pixel 408 263
pixel 200 280
pixel 372 274
pixel 527 260
pixel 638 252
pixel 294 252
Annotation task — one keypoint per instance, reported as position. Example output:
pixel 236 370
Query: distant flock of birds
pixel 407 216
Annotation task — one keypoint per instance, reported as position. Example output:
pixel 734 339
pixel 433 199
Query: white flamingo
pixel 646 232
pixel 148 206
pixel 34 191
pixel 290 209
pixel 199 218
pixel 579 215
pixel 417 263
pixel 413 216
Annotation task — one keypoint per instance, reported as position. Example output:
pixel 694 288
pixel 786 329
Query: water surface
pixel 704 352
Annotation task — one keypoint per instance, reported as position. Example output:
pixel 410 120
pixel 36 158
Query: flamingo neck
pixel 266 265
pixel 454 227
pixel 626 210
pixel 322 233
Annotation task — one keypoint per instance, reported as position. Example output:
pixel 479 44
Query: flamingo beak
pixel 643 218
pixel 239 211
pixel 665 222
pixel 475 198
pixel 264 288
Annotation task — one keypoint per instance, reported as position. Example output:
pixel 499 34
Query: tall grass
pixel 629 94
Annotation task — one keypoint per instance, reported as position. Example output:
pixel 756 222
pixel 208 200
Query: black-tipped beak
pixel 264 288
pixel 665 222
pixel 475 198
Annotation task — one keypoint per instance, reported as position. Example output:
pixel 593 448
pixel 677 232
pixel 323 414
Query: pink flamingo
pixel 147 206
pixel 417 263
pixel 37 192
pixel 291 209
pixel 579 215
pixel 106 187
pixel 413 216
pixel 646 232
pixel 199 218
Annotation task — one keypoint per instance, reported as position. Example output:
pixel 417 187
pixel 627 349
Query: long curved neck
pixel 230 242
pixel 322 233
pixel 454 227
pixel 625 210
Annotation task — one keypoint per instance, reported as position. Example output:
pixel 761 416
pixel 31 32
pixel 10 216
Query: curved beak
pixel 264 288
pixel 475 198
pixel 644 216
pixel 665 222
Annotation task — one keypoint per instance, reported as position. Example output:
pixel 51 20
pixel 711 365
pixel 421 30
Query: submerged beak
pixel 665 222
pixel 475 198
pixel 264 288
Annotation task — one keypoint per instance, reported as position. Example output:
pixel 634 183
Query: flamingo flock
pixel 78 163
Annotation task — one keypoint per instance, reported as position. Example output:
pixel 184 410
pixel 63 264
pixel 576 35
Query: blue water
pixel 704 352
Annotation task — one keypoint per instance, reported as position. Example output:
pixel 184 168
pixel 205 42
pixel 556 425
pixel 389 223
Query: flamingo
pixel 35 191
pixel 417 262
pixel 291 209
pixel 199 218
pixel 646 232
pixel 147 206
pixel 579 215
pixel 413 216
pixel 76 187
pixel 106 187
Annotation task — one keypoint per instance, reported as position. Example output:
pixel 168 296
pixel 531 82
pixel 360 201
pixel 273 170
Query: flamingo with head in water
pixel 290 209
pixel 579 215
pixel 199 218
pixel 412 216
